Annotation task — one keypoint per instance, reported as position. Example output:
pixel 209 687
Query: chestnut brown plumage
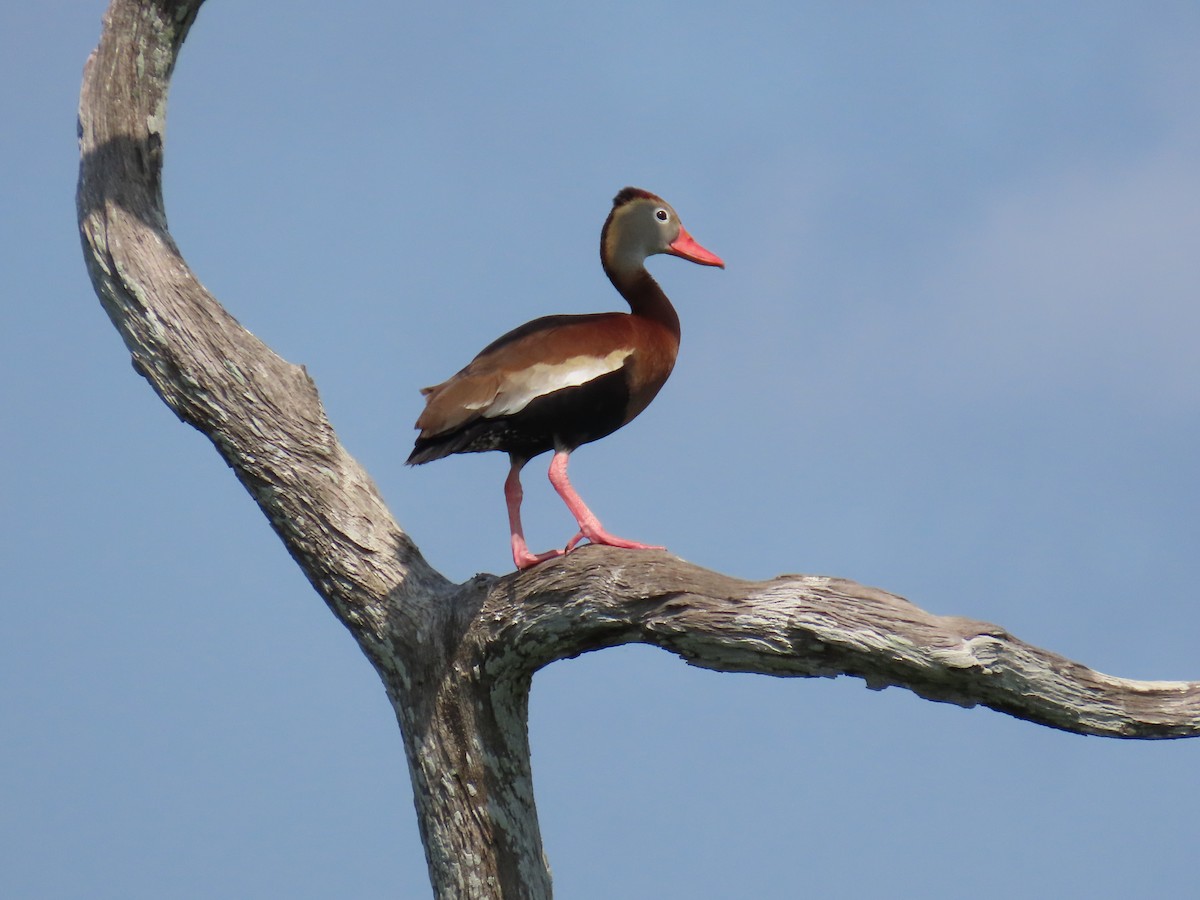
pixel 561 381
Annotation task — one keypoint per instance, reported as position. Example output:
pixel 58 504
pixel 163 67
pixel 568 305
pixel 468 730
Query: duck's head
pixel 642 224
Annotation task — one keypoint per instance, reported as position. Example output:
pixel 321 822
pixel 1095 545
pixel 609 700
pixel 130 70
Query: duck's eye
pixel 661 214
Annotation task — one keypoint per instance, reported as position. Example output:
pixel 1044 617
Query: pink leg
pixel 589 525
pixel 512 497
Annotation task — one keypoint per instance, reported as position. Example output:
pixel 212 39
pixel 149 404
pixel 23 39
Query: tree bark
pixel 457 659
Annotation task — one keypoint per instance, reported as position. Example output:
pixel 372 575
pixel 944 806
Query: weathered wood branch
pixel 457 660
pixel 803 625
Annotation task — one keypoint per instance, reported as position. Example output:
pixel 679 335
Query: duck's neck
pixel 644 296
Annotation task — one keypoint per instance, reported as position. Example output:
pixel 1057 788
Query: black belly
pixel 563 419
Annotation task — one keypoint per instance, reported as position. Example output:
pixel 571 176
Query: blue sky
pixel 953 355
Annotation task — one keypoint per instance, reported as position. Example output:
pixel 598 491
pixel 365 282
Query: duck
pixel 561 381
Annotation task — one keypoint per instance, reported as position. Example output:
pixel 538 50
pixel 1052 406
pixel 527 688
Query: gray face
pixel 639 229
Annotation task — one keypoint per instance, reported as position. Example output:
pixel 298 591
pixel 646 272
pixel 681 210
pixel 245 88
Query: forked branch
pixel 457 660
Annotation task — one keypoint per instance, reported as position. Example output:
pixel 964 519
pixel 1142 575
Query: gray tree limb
pixel 457 659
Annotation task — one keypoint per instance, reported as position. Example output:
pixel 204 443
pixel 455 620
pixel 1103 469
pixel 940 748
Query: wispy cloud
pixel 1091 277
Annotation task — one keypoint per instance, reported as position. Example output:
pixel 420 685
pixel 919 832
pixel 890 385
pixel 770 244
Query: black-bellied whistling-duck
pixel 561 381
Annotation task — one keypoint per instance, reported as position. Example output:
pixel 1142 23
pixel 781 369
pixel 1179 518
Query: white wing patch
pixel 521 389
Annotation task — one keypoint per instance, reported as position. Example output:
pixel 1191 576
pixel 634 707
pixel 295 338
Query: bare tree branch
pixel 803 625
pixel 457 660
